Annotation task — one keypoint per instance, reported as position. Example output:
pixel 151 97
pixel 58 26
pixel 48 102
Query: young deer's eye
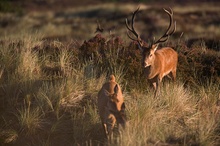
pixel 150 55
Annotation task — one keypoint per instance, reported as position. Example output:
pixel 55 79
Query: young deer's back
pixel 111 105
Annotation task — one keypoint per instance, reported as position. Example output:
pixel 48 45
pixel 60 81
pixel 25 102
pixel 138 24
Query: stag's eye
pixel 150 55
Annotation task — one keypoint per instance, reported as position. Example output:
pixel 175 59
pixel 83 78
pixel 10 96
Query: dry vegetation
pixel 50 77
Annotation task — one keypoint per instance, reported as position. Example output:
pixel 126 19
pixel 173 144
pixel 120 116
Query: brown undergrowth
pixel 49 91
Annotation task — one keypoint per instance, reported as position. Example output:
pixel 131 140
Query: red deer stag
pixel 111 106
pixel 157 62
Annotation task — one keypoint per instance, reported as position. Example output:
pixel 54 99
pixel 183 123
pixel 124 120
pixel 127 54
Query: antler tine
pixel 128 27
pixel 170 16
pixel 130 36
pixel 166 35
pixel 132 21
pixel 174 28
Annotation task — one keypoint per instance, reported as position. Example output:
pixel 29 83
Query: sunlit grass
pixel 47 88
pixel 174 117
pixel 155 120
pixel 30 119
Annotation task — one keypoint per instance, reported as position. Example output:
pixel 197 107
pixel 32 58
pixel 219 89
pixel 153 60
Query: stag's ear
pixel 116 88
pixel 154 47
pixel 140 47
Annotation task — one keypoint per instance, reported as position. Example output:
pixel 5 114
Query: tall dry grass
pixel 49 92
pixel 175 117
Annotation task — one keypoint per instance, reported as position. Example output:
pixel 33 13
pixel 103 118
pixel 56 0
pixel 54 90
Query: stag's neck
pixel 153 70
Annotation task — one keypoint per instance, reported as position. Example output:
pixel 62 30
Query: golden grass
pixel 40 107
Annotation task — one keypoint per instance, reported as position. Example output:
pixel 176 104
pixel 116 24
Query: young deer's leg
pixel 105 129
pixel 110 126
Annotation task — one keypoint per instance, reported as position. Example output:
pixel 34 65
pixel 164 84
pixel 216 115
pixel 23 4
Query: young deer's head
pixel 114 104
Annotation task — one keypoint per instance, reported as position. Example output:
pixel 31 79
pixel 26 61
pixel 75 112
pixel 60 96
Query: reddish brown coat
pixel 159 63
pixel 111 105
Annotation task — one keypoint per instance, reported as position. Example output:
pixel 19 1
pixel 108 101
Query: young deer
pixel 111 106
pixel 157 62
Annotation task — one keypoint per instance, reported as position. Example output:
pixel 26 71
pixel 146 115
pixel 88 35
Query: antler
pixel 166 35
pixel 132 29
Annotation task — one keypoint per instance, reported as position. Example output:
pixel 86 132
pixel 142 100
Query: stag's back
pixel 168 60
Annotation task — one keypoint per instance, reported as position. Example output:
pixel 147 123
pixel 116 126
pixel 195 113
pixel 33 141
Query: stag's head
pixel 148 49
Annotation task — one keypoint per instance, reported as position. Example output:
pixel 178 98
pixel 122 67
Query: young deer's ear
pixel 107 93
pixel 123 106
pixel 116 88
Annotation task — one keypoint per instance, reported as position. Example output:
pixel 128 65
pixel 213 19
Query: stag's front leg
pixel 156 85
